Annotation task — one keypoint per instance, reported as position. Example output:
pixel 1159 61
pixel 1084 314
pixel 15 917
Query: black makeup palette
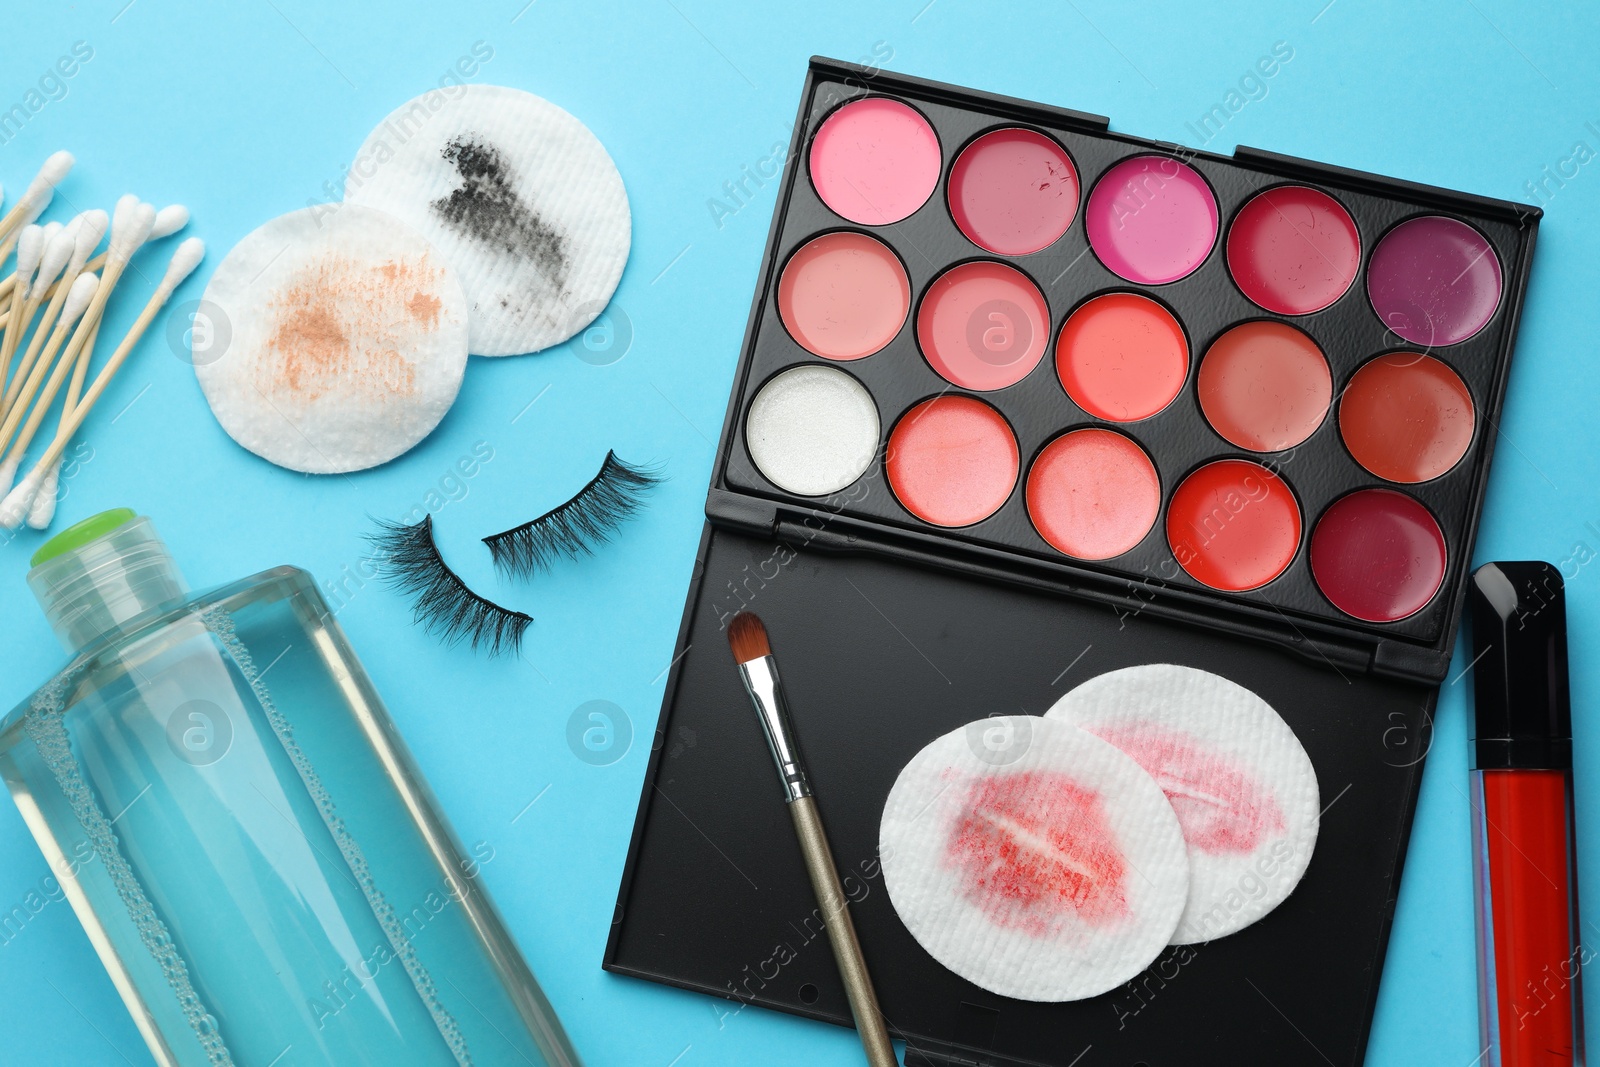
pixel 1015 390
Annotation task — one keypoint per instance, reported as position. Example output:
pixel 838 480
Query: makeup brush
pixel 747 637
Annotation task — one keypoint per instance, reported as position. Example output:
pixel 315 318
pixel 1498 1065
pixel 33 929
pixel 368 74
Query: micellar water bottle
pixel 244 836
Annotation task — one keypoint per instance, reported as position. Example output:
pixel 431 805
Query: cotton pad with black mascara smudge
pixel 519 196
pixel 339 340
pixel 1033 859
pixel 1241 783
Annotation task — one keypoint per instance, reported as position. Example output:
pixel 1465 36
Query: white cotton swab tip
pixel 129 229
pixel 92 227
pixel 56 167
pixel 184 261
pixel 169 220
pixel 8 473
pixel 56 255
pixel 43 508
pixel 35 205
pixel 30 246
pixel 17 502
pixel 122 213
pixel 50 174
pixel 77 301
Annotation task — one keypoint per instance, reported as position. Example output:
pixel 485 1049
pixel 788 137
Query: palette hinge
pixel 741 512
pixel 944 1055
pixel 1393 659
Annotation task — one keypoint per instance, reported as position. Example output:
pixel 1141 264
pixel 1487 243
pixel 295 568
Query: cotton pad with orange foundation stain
pixel 1243 788
pixel 338 342
pixel 1033 859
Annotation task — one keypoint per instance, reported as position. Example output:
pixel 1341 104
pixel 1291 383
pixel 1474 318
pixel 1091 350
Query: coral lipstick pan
pixel 747 637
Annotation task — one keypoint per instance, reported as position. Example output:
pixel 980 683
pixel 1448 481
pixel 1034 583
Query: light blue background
pixel 246 111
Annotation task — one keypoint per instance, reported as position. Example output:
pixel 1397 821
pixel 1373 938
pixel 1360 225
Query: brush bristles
pixel 748 638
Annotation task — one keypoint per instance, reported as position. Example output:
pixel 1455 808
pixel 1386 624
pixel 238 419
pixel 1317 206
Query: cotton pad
pixel 1243 788
pixel 346 339
pixel 1033 859
pixel 518 196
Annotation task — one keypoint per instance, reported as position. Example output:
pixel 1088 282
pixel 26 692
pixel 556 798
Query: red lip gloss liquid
pixel 1530 1007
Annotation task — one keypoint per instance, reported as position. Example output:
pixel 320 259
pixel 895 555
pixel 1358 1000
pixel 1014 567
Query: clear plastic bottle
pixel 244 836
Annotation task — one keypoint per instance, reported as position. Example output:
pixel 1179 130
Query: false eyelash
pixel 576 527
pixel 444 605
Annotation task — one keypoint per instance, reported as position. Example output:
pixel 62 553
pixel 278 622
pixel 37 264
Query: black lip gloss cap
pixel 1519 647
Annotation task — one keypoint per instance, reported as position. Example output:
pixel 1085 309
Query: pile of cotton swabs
pixel 59 290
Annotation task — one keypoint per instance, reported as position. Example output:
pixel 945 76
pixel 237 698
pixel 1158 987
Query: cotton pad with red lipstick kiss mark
pixel 1244 790
pixel 1033 859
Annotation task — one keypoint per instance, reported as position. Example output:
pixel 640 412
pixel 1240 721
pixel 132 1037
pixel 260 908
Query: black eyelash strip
pixel 576 527
pixel 444 606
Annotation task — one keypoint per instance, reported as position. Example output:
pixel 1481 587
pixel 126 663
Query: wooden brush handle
pixel 842 933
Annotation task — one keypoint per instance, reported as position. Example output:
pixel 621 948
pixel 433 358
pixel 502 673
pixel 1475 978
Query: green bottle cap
pixel 81 533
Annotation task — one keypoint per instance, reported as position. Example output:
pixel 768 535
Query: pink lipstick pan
pixel 1066 401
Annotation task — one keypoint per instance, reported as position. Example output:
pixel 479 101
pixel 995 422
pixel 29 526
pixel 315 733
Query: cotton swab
pixel 130 225
pixel 11 242
pixel 73 309
pixel 20 499
pixel 86 230
pixel 169 220
pixel 56 254
pixel 43 508
pixel 39 191
pixel 29 248
pixel 79 299
pixel 32 203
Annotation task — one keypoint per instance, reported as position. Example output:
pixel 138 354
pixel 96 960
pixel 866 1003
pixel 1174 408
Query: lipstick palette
pixel 1016 388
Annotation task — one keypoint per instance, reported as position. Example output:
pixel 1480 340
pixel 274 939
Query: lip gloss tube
pixel 1530 1007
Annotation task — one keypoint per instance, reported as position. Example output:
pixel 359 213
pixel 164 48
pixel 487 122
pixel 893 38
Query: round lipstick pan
pixel 952 460
pixel 1264 385
pixel 1179 438
pixel 1152 220
pixel 1407 417
pixel 1013 191
pixel 1122 356
pixel 843 295
pixel 1092 493
pixel 1234 525
pixel 875 161
pixel 1378 555
pixel 1293 250
pixel 983 325
pixel 1434 281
